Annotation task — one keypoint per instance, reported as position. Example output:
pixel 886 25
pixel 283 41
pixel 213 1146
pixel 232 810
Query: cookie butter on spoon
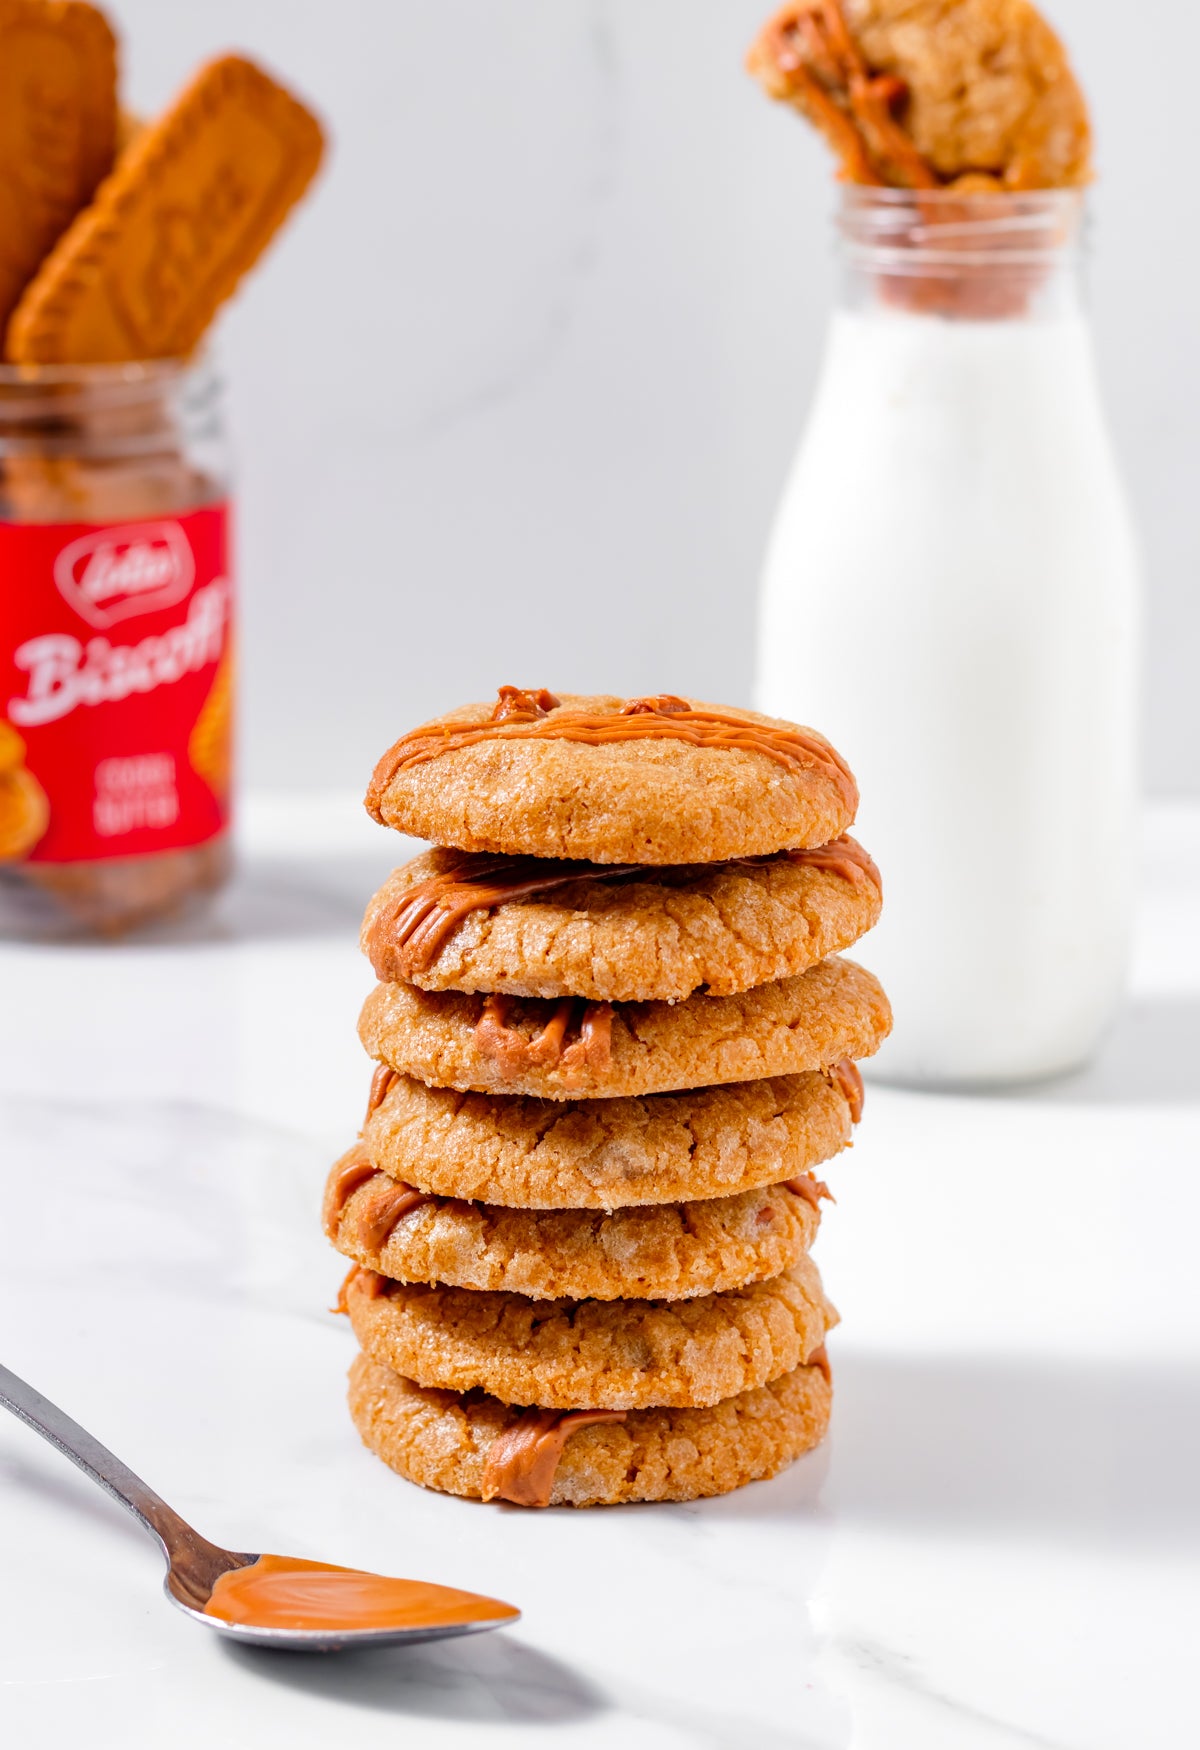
pixel 284 1602
pixel 951 586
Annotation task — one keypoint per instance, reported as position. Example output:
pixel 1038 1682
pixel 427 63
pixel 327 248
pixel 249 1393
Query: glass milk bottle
pixel 951 595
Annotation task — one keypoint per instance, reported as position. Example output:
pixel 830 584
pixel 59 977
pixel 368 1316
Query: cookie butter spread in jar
pixel 115 643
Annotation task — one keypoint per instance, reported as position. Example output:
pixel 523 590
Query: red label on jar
pixel 115 686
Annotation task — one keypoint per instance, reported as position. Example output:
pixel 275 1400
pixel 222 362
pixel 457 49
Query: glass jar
pixel 951 593
pixel 115 645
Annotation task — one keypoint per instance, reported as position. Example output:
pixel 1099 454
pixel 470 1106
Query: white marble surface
pixel 997 1547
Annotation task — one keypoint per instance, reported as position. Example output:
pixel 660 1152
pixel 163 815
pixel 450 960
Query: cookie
pixel 188 210
pixel 443 1440
pixel 591 1354
pixel 24 813
pixel 210 745
pixel 58 128
pixel 535 927
pixel 668 1251
pixel 608 780
pixel 607 1154
pixel 12 747
pixel 570 1049
pixel 967 94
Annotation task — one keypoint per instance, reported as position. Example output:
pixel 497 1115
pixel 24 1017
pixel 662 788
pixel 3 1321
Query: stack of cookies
pixel 612 1040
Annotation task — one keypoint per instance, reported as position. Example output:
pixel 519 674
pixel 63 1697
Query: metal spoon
pixel 193 1564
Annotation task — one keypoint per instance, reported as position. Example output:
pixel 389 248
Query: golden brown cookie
pixel 659 780
pixel 667 1251
pixel 24 813
pixel 607 1154
pixel 566 1050
pixel 12 747
pixel 555 929
pixel 210 745
pixel 442 1440
pixel 58 125
pixel 969 94
pixel 188 210
pixel 592 1354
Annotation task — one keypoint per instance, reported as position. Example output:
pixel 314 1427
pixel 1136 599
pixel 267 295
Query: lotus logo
pixel 114 574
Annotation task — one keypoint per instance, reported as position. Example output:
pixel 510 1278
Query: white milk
pixel 951 596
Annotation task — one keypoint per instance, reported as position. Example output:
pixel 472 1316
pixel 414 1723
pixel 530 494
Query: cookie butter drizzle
pixel 389 1202
pixel 846 1076
pixel 522 1461
pixel 382 1082
pixel 346 1181
pixel 820 1358
pixel 520 715
pixel 429 914
pixel 842 856
pixel 811 45
pixel 513 1053
pixel 810 1188
pixel 373 1286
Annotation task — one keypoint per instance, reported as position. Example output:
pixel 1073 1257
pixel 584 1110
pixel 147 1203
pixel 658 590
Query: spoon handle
pixel 192 1559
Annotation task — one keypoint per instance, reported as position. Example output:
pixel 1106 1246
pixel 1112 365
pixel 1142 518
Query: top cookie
pixel 967 94
pixel 608 780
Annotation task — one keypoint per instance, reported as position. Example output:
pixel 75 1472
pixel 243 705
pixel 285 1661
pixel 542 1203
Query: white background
pixel 515 394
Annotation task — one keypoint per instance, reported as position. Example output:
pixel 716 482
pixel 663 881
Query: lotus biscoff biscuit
pixel 188 210
pixel 58 120
pixel 210 745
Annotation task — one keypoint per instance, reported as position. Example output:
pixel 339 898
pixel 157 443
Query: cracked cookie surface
pixel 650 800
pixel 592 1354
pixel 652 1252
pixel 834 1010
pixel 660 935
pixel 440 1439
pixel 607 1154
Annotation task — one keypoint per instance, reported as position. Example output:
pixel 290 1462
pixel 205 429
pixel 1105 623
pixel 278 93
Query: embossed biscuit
pixel 607 1154
pixel 190 207
pixel 528 788
pixel 592 1354
pixel 969 94
pixel 834 1010
pixel 649 933
pixel 650 1252
pixel 441 1439
pixel 58 124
